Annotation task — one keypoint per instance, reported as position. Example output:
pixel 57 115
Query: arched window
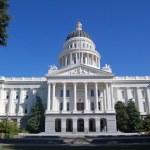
pixel 103 125
pixel 80 125
pixel 69 125
pixel 92 127
pixel 57 125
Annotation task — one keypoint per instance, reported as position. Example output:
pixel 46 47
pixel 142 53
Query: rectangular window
pixel 142 94
pixel 7 95
pixel 92 105
pixel 67 106
pixel 98 93
pixel 61 93
pixel 75 45
pixel 132 94
pixel 92 93
pixel 122 94
pixel 26 95
pixel 99 106
pixel 144 107
pixel 67 93
pixel 74 59
pixel 80 106
pixel 84 60
pixel 61 106
pixel 26 109
pixel 17 95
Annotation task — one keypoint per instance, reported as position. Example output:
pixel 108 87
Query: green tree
pixel 135 120
pixel 146 123
pixel 121 116
pixel 4 19
pixel 9 127
pixel 36 122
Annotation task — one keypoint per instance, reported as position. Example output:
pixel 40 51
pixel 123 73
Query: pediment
pixel 80 70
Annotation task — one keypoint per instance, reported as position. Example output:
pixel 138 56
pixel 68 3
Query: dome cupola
pixel 79 49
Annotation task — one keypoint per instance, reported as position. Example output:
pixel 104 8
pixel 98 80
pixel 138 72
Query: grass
pixel 139 147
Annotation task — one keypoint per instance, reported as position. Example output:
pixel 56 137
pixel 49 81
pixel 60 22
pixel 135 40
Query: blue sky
pixel 38 29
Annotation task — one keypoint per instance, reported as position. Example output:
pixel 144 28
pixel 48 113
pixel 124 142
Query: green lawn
pixel 77 148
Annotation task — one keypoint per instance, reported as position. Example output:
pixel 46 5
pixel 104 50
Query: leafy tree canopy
pixel 4 19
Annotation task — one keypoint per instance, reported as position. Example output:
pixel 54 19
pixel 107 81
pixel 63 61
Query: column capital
pixel 96 83
pixel 75 83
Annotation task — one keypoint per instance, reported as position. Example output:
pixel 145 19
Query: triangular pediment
pixel 79 70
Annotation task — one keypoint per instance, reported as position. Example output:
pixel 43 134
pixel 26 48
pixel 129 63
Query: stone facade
pixel 79 95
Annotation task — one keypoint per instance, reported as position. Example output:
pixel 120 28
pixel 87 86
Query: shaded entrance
pixel 92 125
pixel 80 125
pixel 57 125
pixel 69 125
pixel 103 125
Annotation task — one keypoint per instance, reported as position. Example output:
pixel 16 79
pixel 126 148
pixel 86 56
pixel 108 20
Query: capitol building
pixel 79 95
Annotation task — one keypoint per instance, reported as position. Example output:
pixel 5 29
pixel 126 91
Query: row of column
pixel 11 103
pixel 107 103
pixel 136 97
pixel 89 59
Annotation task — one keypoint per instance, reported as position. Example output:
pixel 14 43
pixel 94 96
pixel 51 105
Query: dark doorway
pixel 69 125
pixel 92 125
pixel 80 125
pixel 57 125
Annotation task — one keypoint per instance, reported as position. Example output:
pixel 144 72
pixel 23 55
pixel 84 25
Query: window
pixel 67 106
pixel 92 93
pixel 71 46
pixel 75 45
pixel 92 105
pixel 7 95
pixel 84 60
pixel 67 93
pixel 122 94
pixel 99 106
pixel 143 94
pixel 61 93
pixel 98 93
pixel 83 44
pixel 26 109
pixel 74 59
pixel 61 106
pixel 17 95
pixel 26 95
pixel 80 106
pixel 144 107
pixel 67 61
pixel 132 94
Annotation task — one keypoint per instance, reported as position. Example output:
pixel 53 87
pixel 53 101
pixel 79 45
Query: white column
pixel 127 96
pixel 104 99
pixel 85 102
pixel 20 111
pixel 64 96
pixel 111 94
pixel 66 61
pixel 49 97
pixel 10 103
pixel 137 100
pixel 53 98
pixel 88 58
pixel 96 97
pixel 70 58
pixel 82 59
pixel 1 99
pixel 148 99
pixel 92 60
pixel 75 97
pixel 76 58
